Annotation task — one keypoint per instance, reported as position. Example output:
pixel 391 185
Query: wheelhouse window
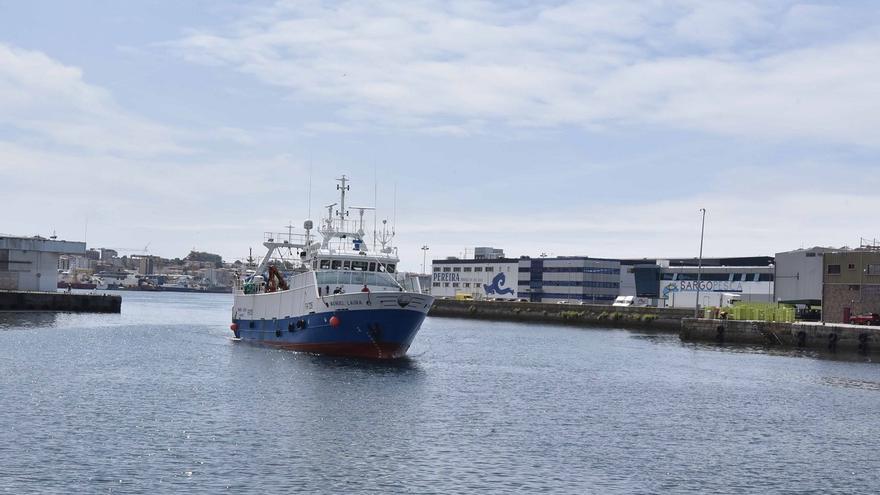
pixel 372 267
pixel 343 277
pixel 346 264
pixel 337 264
pixel 325 264
pixel 390 268
pixel 359 266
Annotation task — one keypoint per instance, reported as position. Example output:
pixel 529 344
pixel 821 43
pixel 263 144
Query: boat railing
pixel 284 238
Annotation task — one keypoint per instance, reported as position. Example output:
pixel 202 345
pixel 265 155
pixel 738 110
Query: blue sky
pixel 572 128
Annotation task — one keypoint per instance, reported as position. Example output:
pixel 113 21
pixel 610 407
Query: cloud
pixel 48 103
pixel 729 68
pixel 736 225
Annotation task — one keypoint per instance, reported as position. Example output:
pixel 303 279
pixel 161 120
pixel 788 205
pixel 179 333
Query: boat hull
pixel 373 333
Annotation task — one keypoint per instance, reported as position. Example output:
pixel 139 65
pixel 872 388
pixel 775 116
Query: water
pixel 158 399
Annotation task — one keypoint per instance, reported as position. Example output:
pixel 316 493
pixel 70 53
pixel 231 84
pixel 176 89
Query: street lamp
pixel 424 257
pixel 700 264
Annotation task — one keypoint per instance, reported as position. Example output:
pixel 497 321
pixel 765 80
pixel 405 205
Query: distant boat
pixel 337 297
pixel 76 285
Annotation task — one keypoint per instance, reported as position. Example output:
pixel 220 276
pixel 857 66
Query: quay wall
pixel 59 301
pixel 799 334
pixel 569 314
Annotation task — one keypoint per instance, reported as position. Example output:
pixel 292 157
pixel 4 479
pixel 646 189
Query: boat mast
pixel 342 211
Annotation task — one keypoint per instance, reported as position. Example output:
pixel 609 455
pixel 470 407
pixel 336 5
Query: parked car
pixel 865 319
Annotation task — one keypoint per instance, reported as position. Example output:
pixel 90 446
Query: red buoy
pixel 335 321
pixel 234 327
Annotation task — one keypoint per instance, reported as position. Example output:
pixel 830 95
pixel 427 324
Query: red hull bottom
pixel 357 350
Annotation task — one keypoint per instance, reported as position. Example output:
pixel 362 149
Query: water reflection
pixel 14 320
pixel 402 365
pixel 406 365
pixel 825 354
pixel 829 355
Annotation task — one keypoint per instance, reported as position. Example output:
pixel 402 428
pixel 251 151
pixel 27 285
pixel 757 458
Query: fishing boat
pixel 329 291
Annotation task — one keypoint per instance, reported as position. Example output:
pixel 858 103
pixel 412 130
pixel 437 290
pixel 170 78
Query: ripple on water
pixel 158 399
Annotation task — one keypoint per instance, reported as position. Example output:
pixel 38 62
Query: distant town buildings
pixel 104 268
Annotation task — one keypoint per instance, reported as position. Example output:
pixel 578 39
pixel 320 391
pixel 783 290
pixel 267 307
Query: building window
pixel 447 269
pixel 873 270
pixel 467 269
pixel 850 266
pixel 478 268
pixel 489 269
pixel 834 269
pixel 853 287
pixel 457 269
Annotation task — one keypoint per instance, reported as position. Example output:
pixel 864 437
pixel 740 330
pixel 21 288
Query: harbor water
pixel 159 399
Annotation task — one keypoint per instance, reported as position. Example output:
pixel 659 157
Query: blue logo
pixel 668 289
pixel 496 286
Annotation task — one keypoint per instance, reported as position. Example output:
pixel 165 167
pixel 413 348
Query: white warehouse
pixel 31 263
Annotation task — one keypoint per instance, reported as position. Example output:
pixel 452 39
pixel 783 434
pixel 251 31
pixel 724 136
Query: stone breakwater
pixel 809 335
pixel 829 336
pixel 569 314
pixel 59 301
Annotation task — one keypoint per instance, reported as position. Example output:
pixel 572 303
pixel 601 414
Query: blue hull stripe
pixel 388 327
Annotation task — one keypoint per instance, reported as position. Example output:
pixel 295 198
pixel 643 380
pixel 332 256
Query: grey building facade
pixel 799 276
pixel 569 279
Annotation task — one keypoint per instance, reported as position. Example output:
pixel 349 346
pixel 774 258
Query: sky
pixel 588 128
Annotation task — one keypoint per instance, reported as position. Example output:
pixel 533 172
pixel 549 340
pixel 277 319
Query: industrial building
pixel 569 279
pixel 851 283
pixel 31 263
pixel 675 283
pixel 493 278
pixel 799 276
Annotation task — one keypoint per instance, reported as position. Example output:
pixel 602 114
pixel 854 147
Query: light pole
pixel 700 264
pixel 424 257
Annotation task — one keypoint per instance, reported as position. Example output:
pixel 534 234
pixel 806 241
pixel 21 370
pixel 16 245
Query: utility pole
pixel 700 264
pixel 424 257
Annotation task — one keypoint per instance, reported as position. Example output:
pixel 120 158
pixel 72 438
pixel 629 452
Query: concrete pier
pixel 569 314
pixel 59 301
pixel 830 336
